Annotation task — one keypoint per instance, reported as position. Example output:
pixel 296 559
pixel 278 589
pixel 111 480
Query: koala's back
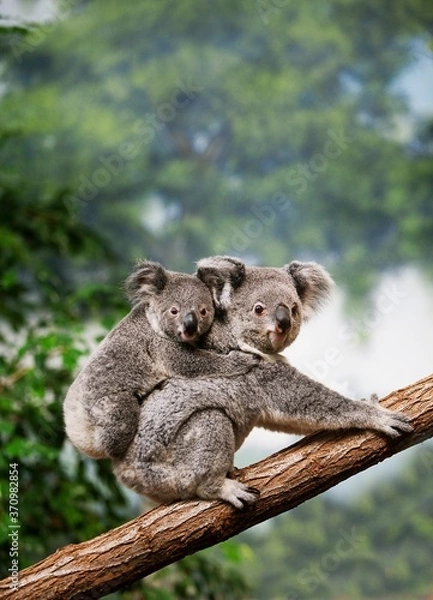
pixel 123 360
pixel 101 406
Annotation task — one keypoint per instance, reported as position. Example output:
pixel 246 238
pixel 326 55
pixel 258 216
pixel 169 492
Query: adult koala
pixel 189 430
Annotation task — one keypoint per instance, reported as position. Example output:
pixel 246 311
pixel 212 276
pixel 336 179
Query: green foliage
pixel 61 498
pixel 208 114
pixel 173 131
pixel 42 250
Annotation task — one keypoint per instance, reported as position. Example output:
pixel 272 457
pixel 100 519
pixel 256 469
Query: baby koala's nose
pixel 190 324
pixel 282 318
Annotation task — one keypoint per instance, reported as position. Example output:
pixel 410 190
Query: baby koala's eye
pixel 203 312
pixel 259 308
pixel 174 310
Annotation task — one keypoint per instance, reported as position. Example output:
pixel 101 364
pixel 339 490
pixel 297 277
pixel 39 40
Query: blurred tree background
pixel 265 129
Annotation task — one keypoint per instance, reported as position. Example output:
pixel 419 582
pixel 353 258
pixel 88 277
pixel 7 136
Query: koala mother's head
pixel 264 306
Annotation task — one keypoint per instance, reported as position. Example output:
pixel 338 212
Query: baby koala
pixel 155 341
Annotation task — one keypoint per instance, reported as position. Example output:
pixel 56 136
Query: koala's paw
pixel 238 494
pixel 391 422
pixel 243 361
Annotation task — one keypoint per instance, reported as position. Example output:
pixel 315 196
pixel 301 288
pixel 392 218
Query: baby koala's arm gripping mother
pixel 188 453
pixel 156 340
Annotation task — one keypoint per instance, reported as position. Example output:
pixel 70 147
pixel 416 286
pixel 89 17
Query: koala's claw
pixel 255 493
pixel 238 494
pixel 394 424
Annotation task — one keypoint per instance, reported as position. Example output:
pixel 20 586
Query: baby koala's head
pixel 178 306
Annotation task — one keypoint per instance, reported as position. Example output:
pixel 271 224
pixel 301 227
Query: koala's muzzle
pixel 282 319
pixel 190 325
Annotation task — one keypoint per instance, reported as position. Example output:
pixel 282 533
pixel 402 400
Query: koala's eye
pixel 295 310
pixel 203 312
pixel 174 310
pixel 259 308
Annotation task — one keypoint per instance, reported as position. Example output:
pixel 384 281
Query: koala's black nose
pixel 190 324
pixel 282 318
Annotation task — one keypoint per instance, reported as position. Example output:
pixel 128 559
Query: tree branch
pixel 166 534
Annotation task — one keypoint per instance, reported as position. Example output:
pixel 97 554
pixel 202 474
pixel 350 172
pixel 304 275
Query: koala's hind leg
pixel 196 466
pixel 207 444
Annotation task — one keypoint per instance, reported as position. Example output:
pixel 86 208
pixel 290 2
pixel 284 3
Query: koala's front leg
pixel 195 362
pixel 292 402
pixel 211 456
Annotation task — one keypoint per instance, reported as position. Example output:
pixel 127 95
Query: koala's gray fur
pixel 153 342
pixel 188 431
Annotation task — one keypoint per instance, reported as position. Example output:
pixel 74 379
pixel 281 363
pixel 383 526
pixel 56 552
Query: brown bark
pixel 166 534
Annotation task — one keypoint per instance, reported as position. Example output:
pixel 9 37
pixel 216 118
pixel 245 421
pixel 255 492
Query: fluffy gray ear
pixel 221 274
pixel 313 284
pixel 147 279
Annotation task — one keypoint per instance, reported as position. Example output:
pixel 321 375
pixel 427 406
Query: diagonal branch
pixel 166 534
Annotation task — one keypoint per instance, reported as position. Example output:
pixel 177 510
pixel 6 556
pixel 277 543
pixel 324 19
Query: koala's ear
pixel 222 275
pixel 147 279
pixel 313 284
